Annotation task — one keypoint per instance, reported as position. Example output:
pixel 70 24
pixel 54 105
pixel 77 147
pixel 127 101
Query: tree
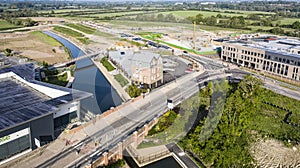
pixel 8 52
pixel 199 18
pixel 296 25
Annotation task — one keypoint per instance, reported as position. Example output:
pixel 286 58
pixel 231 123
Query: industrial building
pixel 273 55
pixel 31 111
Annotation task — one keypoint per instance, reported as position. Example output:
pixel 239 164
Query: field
pixel 4 25
pixel 67 31
pixel 286 21
pixel 88 30
pixel 102 15
pixel 34 45
pixel 45 38
pixel 81 28
pixel 185 14
pixel 71 33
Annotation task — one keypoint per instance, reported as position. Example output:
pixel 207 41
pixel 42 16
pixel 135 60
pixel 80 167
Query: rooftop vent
pixel 122 53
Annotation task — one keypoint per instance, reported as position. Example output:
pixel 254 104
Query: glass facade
pixel 15 146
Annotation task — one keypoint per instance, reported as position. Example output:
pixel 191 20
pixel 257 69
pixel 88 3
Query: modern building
pixel 32 111
pixel 273 55
pixel 142 67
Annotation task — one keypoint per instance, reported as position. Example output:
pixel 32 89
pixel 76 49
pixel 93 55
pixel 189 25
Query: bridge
pixel 73 60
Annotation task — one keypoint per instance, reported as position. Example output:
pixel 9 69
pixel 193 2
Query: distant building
pixel 142 67
pixel 32 113
pixel 273 55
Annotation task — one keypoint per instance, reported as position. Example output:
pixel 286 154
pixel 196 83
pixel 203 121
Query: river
pixel 88 78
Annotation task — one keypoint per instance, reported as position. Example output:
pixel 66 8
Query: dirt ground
pixel 31 47
pixel 272 153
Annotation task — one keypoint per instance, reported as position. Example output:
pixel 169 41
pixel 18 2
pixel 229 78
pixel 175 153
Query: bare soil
pixel 273 153
pixel 31 47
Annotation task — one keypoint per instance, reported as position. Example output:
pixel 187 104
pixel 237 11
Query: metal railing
pixel 148 158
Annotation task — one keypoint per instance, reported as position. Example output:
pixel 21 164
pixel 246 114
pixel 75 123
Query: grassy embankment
pixel 107 64
pixel 88 30
pixel 69 32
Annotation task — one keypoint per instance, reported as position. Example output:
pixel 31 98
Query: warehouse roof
pixel 22 100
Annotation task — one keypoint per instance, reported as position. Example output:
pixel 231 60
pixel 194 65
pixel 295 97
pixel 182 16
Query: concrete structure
pixel 276 56
pixel 32 111
pixel 132 140
pixel 142 67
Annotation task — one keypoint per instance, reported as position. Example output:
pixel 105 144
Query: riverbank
pixel 116 85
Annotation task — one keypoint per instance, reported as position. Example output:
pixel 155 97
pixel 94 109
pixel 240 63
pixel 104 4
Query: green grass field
pixel 67 31
pixel 4 25
pixel 287 21
pixel 102 15
pixel 45 38
pixel 57 11
pixel 81 28
pixel 107 64
pixel 123 81
pixel 185 14
pixel 249 12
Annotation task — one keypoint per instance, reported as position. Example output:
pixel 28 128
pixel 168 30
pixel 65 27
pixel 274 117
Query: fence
pixel 146 159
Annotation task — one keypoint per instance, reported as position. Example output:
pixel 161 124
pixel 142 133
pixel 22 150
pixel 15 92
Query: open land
pixel 34 45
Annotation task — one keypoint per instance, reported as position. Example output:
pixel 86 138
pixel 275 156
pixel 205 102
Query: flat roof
pixel 272 47
pixel 22 101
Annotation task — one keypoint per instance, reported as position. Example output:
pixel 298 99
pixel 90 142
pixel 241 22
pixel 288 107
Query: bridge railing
pixel 148 158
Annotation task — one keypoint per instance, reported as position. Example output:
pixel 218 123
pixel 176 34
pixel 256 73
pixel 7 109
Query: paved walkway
pixel 151 150
pixel 116 85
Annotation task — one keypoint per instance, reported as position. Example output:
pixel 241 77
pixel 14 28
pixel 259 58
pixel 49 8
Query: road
pixel 114 128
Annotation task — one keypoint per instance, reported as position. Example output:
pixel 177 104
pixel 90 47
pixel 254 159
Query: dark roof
pixel 25 71
pixel 20 103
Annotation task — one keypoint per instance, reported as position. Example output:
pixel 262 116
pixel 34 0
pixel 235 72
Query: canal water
pixel 88 78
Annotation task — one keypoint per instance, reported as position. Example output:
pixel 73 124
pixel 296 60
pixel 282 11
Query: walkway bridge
pixel 73 60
